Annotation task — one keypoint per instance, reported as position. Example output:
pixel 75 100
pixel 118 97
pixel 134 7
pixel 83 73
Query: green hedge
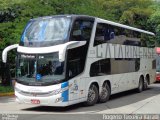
pixel 6 89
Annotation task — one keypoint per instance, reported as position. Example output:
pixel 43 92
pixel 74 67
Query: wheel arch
pixel 108 82
pixel 95 82
pixel 142 76
pixel 148 78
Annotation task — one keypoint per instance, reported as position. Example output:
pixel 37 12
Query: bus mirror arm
pixel 69 45
pixel 6 50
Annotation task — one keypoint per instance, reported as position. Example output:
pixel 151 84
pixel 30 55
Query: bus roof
pixel 66 15
pixel 98 20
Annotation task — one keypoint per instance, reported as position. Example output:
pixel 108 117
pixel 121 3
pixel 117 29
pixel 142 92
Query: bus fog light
pixel 59 99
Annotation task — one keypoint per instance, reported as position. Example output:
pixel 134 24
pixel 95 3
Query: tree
pixel 154 21
pixel 14 14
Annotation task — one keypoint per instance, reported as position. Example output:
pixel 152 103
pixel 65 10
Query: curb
pixel 7 94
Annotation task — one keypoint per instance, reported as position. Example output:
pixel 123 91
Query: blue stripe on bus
pixel 65 93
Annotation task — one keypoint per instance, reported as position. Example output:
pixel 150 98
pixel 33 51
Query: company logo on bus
pixel 38 77
pixel 34 94
pixel 28 56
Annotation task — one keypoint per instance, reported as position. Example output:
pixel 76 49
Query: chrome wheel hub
pixel 91 95
pixel 104 92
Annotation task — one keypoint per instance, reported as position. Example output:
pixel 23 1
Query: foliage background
pixel 14 14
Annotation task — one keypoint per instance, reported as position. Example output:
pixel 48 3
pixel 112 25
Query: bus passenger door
pixel 74 82
pixel 77 88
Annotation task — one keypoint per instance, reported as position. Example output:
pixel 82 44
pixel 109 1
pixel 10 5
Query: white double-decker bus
pixel 68 59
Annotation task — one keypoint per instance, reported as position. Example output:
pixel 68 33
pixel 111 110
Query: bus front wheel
pixel 105 93
pixel 92 95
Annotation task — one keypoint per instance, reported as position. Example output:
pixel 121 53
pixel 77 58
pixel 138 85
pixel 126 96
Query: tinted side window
pixel 147 40
pixel 75 61
pixel 104 33
pixel 114 66
pixel 125 65
pixel 100 68
pixel 81 30
pixel 137 64
pixel 133 38
pixel 132 43
pixel 154 64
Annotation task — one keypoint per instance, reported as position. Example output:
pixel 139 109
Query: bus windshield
pixel 40 69
pixel 46 31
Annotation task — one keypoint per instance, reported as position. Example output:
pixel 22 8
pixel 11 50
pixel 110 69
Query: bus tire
pixel 140 85
pixel 105 93
pixel 146 83
pixel 92 95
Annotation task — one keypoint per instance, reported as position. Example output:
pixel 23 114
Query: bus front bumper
pixel 55 100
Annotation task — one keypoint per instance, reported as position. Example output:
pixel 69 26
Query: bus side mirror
pixel 6 50
pixel 67 46
pixel 6 76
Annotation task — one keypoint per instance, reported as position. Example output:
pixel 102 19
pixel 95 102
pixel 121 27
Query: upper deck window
pixel 46 31
pixel 81 30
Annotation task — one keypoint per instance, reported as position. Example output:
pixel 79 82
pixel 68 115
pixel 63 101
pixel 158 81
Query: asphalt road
pixel 130 102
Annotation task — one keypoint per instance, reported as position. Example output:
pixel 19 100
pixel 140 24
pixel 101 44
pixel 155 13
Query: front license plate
pixel 34 101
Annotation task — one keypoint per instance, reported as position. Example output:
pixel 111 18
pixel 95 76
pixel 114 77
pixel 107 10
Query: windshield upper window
pixel 40 69
pixel 49 30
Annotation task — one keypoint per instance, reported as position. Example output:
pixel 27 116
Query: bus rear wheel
pixel 146 83
pixel 105 93
pixel 141 85
pixel 92 95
